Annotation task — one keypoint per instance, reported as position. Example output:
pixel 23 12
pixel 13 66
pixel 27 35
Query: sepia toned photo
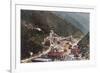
pixel 52 36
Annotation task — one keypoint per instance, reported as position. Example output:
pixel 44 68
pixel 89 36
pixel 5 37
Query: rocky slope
pixel 36 25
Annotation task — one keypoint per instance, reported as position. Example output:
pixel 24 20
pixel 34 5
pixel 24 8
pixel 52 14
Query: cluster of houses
pixel 62 48
pixel 59 48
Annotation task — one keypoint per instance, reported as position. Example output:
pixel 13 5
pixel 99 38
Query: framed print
pixel 51 36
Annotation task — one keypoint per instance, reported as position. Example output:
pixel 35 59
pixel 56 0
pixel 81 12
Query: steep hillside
pixel 36 25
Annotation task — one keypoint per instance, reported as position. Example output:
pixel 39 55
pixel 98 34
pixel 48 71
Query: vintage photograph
pixel 51 36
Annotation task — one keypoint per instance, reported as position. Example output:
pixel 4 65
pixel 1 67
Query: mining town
pixel 59 48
